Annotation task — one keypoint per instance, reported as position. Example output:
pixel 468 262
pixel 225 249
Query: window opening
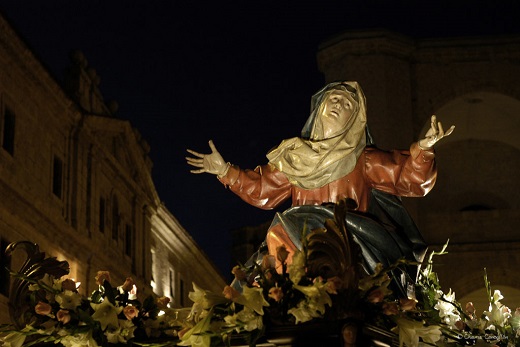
pixel 8 131
pixel 57 177
pixel 102 208
pixel 5 264
pixel 115 218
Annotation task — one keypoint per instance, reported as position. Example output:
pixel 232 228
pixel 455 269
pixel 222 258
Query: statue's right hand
pixel 212 163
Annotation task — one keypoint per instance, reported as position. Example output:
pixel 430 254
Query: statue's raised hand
pixel 434 134
pixel 212 163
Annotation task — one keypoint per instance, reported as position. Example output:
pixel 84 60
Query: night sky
pixel 240 73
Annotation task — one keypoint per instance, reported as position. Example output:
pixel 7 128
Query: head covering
pixel 311 161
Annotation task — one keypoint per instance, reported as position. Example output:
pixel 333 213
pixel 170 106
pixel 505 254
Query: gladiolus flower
pixel 230 293
pixel 276 293
pixel 128 285
pixel 333 285
pixel 239 273
pixel 470 308
pixel 390 308
pixel 63 316
pixel 375 296
pixel 407 304
pixel 130 312
pixel 102 276
pixel 68 284
pixel 460 325
pixel 282 253
pixel 42 308
pixel 162 302
pixel 268 262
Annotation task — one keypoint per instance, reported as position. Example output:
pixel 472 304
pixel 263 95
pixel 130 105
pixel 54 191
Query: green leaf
pixel 96 297
pixel 110 293
pixel 488 286
pixel 85 317
pixel 149 303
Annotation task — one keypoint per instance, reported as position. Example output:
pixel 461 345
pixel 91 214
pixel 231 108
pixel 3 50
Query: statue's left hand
pixel 434 134
pixel 212 163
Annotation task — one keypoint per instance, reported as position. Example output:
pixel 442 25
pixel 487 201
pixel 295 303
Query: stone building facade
pixel 473 84
pixel 77 181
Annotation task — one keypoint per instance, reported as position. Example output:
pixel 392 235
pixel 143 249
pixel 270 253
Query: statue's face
pixel 337 108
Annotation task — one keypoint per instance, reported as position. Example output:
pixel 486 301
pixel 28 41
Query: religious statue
pixel 335 159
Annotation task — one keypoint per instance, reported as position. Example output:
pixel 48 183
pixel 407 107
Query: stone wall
pixel 469 82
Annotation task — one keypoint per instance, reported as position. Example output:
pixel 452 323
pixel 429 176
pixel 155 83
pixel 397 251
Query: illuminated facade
pixel 77 181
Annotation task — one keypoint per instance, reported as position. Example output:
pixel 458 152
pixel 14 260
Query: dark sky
pixel 238 72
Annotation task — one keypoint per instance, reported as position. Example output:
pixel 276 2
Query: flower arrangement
pixel 289 297
pixel 256 302
pixel 110 316
pixel 435 318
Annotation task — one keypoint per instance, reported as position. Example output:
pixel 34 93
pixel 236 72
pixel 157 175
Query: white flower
pixel 250 319
pixel 122 334
pixel 497 296
pixel 196 336
pixel 197 296
pixel 46 281
pixel 498 314
pixel 34 287
pixel 430 334
pixel 127 329
pixel 14 339
pixel 410 331
pixel 407 331
pixel 313 306
pixel 247 318
pixel 302 312
pixel 205 298
pixel 196 341
pixel 56 284
pixel 316 295
pixel 77 340
pixel 68 300
pixel 106 314
pixel 196 313
pixel 231 321
pixel 254 299
pixel 447 310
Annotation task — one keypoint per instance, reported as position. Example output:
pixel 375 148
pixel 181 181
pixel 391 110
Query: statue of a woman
pixel 335 159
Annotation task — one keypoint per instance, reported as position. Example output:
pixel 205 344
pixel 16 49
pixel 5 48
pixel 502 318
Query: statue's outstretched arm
pixel 434 134
pixel 212 163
